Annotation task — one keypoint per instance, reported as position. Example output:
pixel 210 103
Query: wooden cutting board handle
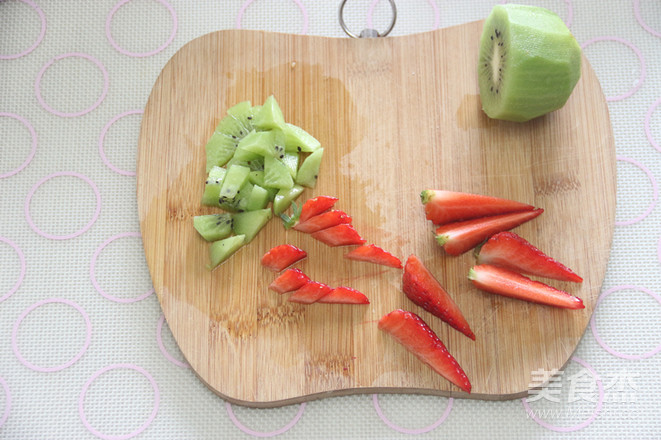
pixel 396 116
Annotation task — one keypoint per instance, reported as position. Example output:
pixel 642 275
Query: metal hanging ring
pixel 368 32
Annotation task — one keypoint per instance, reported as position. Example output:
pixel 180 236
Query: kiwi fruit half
pixel 529 63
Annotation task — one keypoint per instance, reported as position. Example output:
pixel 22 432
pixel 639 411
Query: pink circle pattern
pixel 638 53
pixel 161 346
pixel 636 12
pixel 123 51
pixel 603 344
pixel 70 362
pixel 655 193
pixel 103 136
pixel 648 121
pixel 96 284
pixel 42 32
pixel 33 149
pixel 5 414
pixel 87 180
pixel 304 12
pixel 581 425
pixel 106 84
pixel 254 433
pixel 436 424
pixel 21 275
pixel 140 429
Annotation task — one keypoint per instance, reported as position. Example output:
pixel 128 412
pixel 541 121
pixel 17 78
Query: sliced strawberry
pixel 310 292
pixel 282 256
pixel 509 250
pixel 423 289
pixel 340 235
pixel 443 207
pixel 505 282
pixel 374 254
pixel 289 280
pixel 459 237
pixel 316 206
pixel 344 295
pixel 415 335
pixel 323 221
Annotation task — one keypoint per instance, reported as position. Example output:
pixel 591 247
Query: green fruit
pixel 309 170
pixel 221 250
pixel 213 227
pixel 249 223
pixel 529 63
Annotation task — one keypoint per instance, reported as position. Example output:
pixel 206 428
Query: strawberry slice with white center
pixel 509 250
pixel 371 253
pixel 459 237
pixel 323 221
pixel 282 256
pixel 316 206
pixel 340 235
pixel 443 207
pixel 310 292
pixel 505 282
pixel 418 338
pixel 421 287
pixel 344 295
pixel 289 280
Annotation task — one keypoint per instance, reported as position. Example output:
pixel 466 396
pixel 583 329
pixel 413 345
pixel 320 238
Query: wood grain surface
pixel 396 115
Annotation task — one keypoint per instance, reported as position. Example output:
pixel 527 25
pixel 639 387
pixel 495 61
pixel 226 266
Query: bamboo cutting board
pixel 396 116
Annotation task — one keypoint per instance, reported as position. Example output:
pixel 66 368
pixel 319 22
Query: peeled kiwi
pixel 529 63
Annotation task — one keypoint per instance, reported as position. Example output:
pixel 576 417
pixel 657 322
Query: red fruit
pixel 323 221
pixel 340 235
pixel 309 293
pixel 443 207
pixel 415 335
pixel 508 250
pixel 457 238
pixel 289 280
pixel 282 256
pixel 423 289
pixel 505 282
pixel 374 254
pixel 344 295
pixel 316 206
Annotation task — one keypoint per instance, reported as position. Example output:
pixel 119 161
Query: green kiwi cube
pixel 240 109
pixel 221 250
pixel 284 198
pixel 259 143
pixel 276 174
pixel 239 202
pixel 213 227
pixel 258 198
pixel 212 186
pixel 309 169
pixel 249 223
pixel 219 149
pixel 256 177
pixel 291 161
pixel 232 127
pixel 299 140
pixel 270 116
pixel 236 176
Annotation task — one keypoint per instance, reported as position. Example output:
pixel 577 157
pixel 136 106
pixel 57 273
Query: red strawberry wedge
pixel 344 295
pixel 282 256
pixel 505 282
pixel 316 206
pixel 443 207
pixel 309 293
pixel 289 280
pixel 459 237
pixel 374 254
pixel 415 335
pixel 340 235
pixel 423 289
pixel 508 250
pixel 323 221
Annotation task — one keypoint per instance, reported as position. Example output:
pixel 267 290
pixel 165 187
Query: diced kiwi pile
pixel 254 159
